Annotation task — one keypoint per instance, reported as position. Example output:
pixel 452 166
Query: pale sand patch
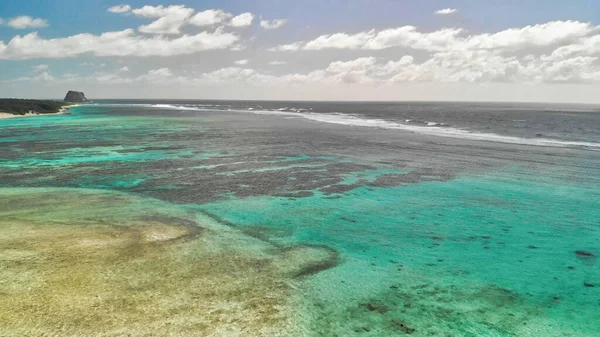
pixel 94 263
pixel 4 115
pixel 62 111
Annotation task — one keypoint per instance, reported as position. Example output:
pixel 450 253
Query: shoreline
pixel 62 111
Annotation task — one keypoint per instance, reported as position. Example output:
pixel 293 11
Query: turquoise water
pixel 472 233
pixel 490 251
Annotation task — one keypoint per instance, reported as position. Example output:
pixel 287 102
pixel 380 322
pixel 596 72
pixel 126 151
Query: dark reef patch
pixel 299 194
pixel 404 309
pixel 339 188
pixel 413 177
pixel 582 253
pixel 382 309
pixel 588 258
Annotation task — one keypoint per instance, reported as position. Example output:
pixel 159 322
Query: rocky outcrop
pixel 75 97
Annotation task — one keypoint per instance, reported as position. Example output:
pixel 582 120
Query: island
pixel 22 107
pixel 75 97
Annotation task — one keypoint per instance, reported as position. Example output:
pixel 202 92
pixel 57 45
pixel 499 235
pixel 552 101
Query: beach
pixel 64 110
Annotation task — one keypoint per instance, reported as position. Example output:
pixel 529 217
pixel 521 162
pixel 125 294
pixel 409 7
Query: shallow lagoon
pixel 188 223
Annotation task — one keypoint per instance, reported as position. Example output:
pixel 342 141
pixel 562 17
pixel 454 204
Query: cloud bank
pixel 541 35
pixel 551 52
pixel 119 43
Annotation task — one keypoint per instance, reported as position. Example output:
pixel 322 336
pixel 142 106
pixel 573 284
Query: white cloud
pixel 446 11
pixel 242 20
pixel 119 43
pixel 227 74
pixel 553 52
pixel 451 67
pixel 155 76
pixel 120 9
pixel 355 71
pixel 456 66
pixel 162 72
pixel 442 67
pixel 70 76
pixel 541 35
pixel 40 67
pixel 210 17
pixel 43 77
pixel 274 24
pixel 341 41
pixel 23 22
pixel 408 36
pixel 238 47
pixel 288 47
pixel 106 78
pixel 169 19
pixel 154 12
pixel 589 45
pixel 232 75
pixel 360 64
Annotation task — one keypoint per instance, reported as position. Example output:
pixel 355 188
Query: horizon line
pixel 319 101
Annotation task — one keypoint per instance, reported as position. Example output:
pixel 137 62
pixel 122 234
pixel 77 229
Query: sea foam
pixel 429 128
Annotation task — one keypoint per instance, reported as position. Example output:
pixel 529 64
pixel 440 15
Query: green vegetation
pixel 24 106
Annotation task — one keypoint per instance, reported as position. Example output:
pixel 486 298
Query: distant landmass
pixel 30 106
pixel 75 97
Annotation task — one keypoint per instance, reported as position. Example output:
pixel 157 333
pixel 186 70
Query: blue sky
pixel 484 47
pixel 70 16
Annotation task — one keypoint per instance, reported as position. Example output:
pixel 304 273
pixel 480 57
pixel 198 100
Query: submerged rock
pixel 382 309
pixel 403 327
pixel 583 253
pixel 75 97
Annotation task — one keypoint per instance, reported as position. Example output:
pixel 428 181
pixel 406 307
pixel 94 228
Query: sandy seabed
pixel 91 263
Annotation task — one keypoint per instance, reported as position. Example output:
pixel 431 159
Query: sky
pixel 391 50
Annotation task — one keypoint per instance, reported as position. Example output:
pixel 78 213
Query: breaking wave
pixel 430 128
pixel 426 127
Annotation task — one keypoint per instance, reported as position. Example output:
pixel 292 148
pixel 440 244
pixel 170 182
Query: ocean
pixel 250 218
